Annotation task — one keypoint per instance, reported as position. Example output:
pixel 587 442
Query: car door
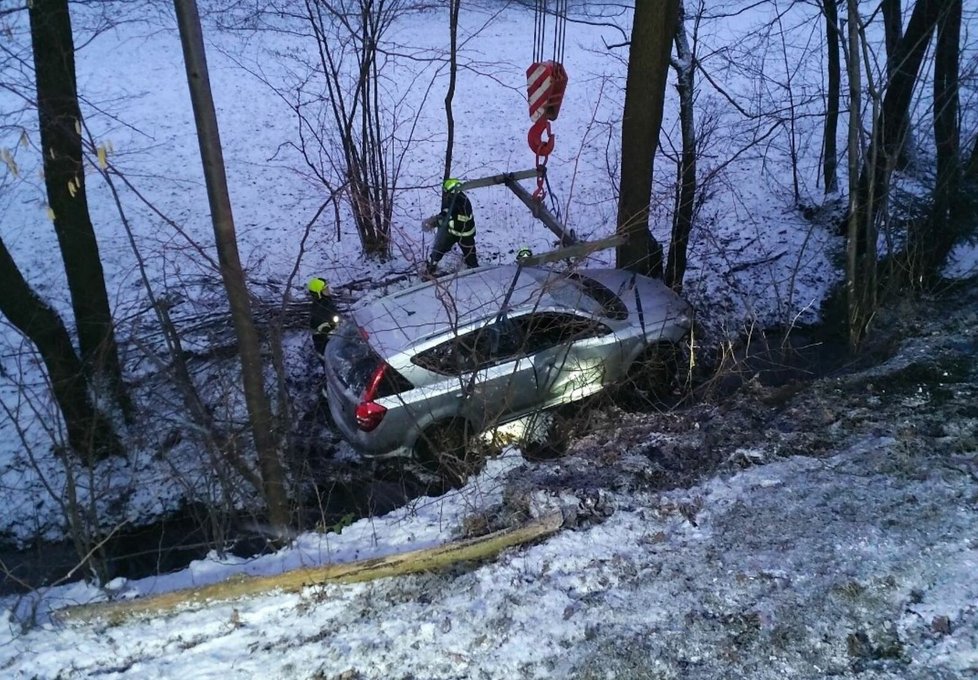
pixel 502 382
pixel 488 377
pixel 573 355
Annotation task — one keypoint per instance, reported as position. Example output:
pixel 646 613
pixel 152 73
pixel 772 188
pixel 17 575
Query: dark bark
pixel 89 433
pixel 894 114
pixel 971 168
pixel 683 220
pixel 64 179
pixel 833 67
pixel 860 269
pixel 212 157
pixel 946 103
pixel 892 30
pixel 653 29
pixel 453 8
pixel 931 241
pixel 892 36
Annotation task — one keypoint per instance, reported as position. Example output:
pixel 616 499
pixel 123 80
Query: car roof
pixel 397 321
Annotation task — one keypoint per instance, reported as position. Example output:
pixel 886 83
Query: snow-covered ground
pixel 846 550
pixel 753 257
pixel 833 537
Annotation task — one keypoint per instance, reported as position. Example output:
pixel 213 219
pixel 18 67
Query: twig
pixel 747 265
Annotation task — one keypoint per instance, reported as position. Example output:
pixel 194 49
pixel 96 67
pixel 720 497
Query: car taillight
pixel 368 412
pixel 369 415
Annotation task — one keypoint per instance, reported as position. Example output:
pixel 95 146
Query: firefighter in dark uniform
pixel 324 317
pixel 456 224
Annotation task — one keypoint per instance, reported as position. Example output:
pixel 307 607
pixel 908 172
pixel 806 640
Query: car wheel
pixel 450 450
pixel 652 377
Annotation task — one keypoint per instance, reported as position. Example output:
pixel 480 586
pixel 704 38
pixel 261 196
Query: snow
pixel 767 571
pixel 787 563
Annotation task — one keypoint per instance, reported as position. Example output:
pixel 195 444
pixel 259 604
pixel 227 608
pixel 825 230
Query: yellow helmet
pixel 318 286
pixel 451 184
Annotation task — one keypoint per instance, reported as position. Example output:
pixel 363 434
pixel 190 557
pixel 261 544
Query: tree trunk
pixel 875 175
pixel 453 8
pixel 653 29
pixel 892 35
pixel 892 30
pixel 259 411
pixel 830 131
pixel 422 560
pixel 860 270
pixel 971 168
pixel 683 220
pixel 89 433
pixel 64 178
pixel 930 242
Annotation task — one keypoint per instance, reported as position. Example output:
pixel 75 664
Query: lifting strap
pixel 546 81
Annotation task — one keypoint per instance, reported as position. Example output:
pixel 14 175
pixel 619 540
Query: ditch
pixel 344 491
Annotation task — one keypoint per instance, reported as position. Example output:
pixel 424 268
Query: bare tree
pixel 682 223
pixel 353 29
pixel 830 10
pixel 653 30
pixel 860 270
pixel 453 9
pixel 892 12
pixel 932 240
pixel 259 410
pixel 89 433
pixel 879 163
pixel 64 178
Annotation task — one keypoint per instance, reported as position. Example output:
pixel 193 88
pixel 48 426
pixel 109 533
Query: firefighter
pixel 456 224
pixel 323 315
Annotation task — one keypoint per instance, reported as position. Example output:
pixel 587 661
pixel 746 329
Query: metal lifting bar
pixel 565 236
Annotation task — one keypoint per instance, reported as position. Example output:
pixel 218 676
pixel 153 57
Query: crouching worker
pixel 456 224
pixel 324 317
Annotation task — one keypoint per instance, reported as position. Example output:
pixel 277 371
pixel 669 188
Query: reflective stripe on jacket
pixel 457 208
pixel 463 225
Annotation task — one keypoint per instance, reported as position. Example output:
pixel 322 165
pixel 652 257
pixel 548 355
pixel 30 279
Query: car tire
pixel 449 450
pixel 651 378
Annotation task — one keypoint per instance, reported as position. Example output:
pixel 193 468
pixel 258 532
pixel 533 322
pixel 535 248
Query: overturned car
pixel 422 371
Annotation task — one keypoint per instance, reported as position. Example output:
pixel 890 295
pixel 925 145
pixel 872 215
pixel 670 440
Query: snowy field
pixel 753 257
pixel 808 566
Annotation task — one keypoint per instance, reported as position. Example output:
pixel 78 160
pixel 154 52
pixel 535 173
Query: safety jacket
pixel 456 214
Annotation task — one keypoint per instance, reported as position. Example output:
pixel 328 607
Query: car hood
pixel 654 301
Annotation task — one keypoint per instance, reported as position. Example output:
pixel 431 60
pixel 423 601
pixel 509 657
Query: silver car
pixel 425 369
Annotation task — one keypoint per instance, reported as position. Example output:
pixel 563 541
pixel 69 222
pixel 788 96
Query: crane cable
pixel 541 9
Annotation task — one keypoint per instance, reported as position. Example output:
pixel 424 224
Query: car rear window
pixel 355 362
pixel 577 291
pixel 611 305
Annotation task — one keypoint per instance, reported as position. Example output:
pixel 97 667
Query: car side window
pixel 496 343
pixel 549 329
